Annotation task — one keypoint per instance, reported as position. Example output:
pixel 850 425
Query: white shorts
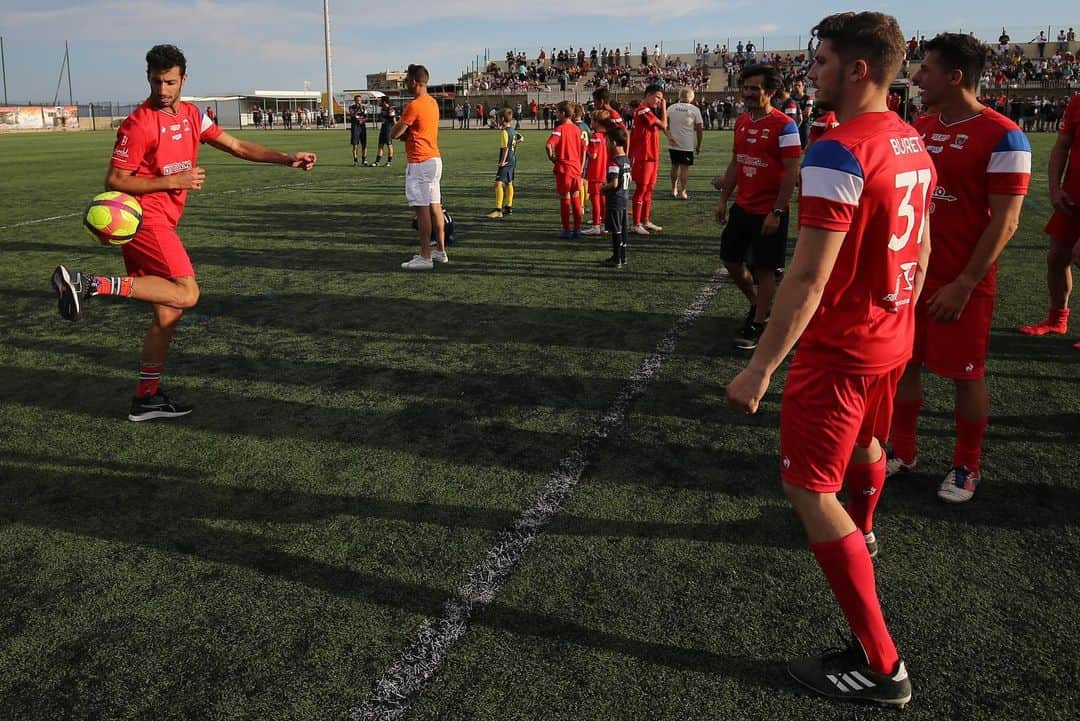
pixel 422 183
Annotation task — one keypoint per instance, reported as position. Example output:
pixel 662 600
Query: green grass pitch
pixel 363 434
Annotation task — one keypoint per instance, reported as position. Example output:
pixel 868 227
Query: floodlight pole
pixel 3 69
pixel 329 62
pixel 67 60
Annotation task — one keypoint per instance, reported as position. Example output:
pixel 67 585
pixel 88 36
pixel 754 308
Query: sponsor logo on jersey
pixel 905 281
pixel 744 159
pixel 177 167
pixel 177 136
pixel 941 194
pixel 940 137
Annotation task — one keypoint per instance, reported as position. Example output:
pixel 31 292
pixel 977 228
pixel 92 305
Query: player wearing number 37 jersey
pixel 849 298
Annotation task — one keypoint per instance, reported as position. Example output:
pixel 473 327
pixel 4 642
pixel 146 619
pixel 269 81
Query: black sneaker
pixel 158 405
pixel 72 289
pixel 612 262
pixel 507 210
pixel 747 338
pixel 846 674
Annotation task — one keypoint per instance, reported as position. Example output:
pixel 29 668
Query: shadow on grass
pixel 165 508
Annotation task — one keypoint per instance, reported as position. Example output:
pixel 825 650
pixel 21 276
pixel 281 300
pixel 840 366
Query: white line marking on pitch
pixel 429 646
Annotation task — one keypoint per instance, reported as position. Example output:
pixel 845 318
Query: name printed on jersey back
pixel 906 146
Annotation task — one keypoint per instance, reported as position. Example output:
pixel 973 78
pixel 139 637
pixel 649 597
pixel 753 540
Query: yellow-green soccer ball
pixel 113 217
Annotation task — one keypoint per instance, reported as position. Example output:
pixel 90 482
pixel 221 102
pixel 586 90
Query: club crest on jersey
pixel 764 133
pixel 958 144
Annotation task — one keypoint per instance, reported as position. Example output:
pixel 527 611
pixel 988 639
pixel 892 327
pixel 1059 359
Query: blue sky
pixel 241 45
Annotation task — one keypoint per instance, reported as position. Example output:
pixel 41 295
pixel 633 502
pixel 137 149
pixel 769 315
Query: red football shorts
pixel 567 183
pixel 957 349
pixel 645 172
pixel 1064 229
pixel 157 251
pixel 824 414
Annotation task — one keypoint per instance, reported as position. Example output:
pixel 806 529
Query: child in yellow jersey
pixel 583 126
pixel 504 173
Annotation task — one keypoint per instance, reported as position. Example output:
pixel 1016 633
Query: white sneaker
pixel 418 262
pixel 594 230
pixel 649 225
pixel 639 229
pixel 896 464
pixel 439 256
pixel 959 485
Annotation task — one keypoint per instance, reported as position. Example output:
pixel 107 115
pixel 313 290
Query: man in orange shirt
pixel 419 128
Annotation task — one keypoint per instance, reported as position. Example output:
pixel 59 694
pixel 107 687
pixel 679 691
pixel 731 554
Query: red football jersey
pixel 569 148
pixel 759 148
pixel 645 136
pixel 596 170
pixel 1070 126
pixel 822 125
pixel 974 158
pixel 155 143
pixel 871 178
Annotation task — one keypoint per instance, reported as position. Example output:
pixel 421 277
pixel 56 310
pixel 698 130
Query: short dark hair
pixel 870 36
pixel 600 95
pixel 957 51
pixel 418 73
pixel 653 88
pixel 164 57
pixel 770 75
pixel 617 136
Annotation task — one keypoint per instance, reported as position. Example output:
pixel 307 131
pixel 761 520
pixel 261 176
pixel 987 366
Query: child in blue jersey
pixel 617 196
pixel 504 173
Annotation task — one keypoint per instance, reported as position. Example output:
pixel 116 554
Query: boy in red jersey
pixel 154 159
pixel 565 150
pixel 848 299
pixel 763 171
pixel 1064 225
pixel 596 169
pixel 650 119
pixel 602 101
pixel 819 126
pixel 983 163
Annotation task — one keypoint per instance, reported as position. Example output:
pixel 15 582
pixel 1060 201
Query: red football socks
pixel 1057 321
pixel 578 212
pixel 564 211
pixel 106 285
pixel 864 483
pixel 850 574
pixel 639 202
pixel 149 379
pixel 969 437
pixel 905 418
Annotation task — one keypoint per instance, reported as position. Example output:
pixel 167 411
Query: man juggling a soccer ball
pixel 154 159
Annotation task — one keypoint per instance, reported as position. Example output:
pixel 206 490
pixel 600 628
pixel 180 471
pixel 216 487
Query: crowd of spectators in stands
pixel 1055 66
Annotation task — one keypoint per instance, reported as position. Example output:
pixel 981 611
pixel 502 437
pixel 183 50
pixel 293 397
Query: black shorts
pixel 681 157
pixel 358 135
pixel 384 134
pixel 615 217
pixel 742 241
pixel 505 173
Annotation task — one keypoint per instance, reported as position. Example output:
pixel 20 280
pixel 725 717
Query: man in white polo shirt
pixel 684 133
